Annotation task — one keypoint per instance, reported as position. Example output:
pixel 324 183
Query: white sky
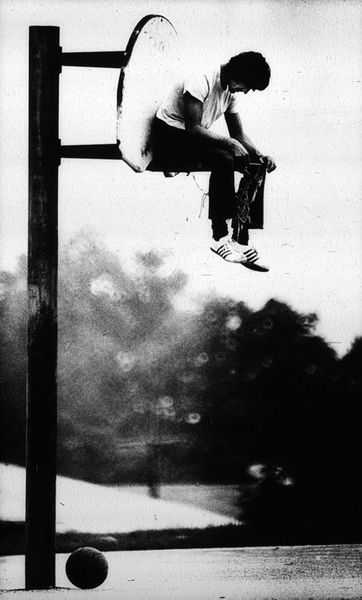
pixel 309 120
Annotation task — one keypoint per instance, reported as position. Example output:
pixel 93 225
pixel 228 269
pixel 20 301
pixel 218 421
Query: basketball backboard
pixel 152 64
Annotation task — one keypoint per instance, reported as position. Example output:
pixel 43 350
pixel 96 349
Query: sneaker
pixel 225 248
pixel 250 257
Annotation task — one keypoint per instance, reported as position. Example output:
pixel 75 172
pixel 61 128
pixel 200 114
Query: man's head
pixel 247 71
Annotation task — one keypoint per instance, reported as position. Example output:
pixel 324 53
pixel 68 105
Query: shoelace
pixel 203 200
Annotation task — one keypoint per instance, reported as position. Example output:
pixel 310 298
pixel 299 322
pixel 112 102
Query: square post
pixel 44 68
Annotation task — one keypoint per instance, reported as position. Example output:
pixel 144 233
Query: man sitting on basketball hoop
pixel 182 134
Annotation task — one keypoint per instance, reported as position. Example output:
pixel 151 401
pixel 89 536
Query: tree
pixel 13 303
pixel 113 331
pixel 300 427
pixel 223 394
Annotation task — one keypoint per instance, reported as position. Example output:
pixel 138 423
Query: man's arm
pixel 236 131
pixel 193 114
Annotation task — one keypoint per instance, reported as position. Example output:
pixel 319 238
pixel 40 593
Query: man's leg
pixel 221 191
pixel 222 202
pixel 173 146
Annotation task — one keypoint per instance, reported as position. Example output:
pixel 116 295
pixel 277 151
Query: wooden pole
pixel 44 68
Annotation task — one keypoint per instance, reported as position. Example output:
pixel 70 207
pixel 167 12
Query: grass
pixel 12 539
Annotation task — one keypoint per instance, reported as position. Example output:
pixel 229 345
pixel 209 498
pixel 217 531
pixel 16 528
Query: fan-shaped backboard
pixel 151 68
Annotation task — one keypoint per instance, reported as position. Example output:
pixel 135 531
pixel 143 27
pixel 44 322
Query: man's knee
pixel 223 159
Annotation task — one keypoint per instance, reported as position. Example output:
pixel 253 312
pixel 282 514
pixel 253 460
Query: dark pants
pixel 174 148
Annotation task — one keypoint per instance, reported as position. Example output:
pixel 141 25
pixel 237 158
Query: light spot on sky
pixel 126 361
pixel 233 322
pixel 103 286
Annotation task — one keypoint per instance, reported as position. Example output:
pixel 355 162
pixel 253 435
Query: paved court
pixel 280 573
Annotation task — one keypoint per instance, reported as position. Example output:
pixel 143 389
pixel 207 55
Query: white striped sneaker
pixel 226 249
pixel 250 257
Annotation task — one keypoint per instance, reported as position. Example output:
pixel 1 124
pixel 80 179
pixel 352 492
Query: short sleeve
pixel 234 105
pixel 197 85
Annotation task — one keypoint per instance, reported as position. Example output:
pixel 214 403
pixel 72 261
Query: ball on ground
pixel 86 568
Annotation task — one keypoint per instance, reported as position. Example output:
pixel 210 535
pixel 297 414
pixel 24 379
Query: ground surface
pixel 285 573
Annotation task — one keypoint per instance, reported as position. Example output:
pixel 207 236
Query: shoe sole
pixel 254 267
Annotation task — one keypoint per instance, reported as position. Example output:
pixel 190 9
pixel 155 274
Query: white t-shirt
pixel 207 88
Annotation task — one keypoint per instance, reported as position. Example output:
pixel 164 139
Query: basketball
pixel 86 568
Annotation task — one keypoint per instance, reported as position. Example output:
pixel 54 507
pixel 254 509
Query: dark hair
pixel 251 68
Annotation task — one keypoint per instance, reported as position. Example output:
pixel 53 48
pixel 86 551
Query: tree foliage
pixel 225 394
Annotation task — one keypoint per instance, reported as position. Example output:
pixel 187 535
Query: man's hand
pixel 268 162
pixel 237 149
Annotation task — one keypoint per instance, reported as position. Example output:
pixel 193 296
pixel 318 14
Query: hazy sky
pixel 309 120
